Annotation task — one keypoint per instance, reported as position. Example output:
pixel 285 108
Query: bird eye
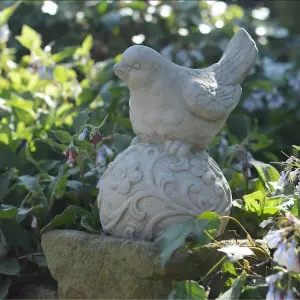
pixel 136 66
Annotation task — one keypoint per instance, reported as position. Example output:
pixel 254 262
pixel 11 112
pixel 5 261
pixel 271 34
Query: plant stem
pixel 51 203
pixel 253 243
pixel 213 268
pixel 84 195
pixel 25 199
pixel 235 220
pixel 260 250
pixel 212 238
pixel 220 245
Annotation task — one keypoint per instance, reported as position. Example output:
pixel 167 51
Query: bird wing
pixel 214 92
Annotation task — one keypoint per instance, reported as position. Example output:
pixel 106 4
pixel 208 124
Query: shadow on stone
pixel 89 266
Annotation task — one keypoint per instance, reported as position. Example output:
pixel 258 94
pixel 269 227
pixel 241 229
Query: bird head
pixel 138 66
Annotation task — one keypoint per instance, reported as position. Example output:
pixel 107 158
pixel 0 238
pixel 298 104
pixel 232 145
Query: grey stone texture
pixel 90 266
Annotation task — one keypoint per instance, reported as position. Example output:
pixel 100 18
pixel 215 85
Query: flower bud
pixel 83 134
pixel 71 153
pixel 95 137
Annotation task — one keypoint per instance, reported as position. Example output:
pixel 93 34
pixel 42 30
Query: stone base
pixel 89 266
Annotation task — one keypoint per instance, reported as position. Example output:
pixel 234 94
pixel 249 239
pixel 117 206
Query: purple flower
pixel 280 254
pixel 71 153
pixel 289 295
pixel 273 238
pixel 271 292
pixel 83 134
pixel 292 258
pixel 283 180
pixel 255 101
pixel 274 100
pixel 107 151
pixel 44 73
pixel 272 279
pixel 100 158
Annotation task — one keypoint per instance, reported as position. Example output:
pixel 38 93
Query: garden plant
pixel 64 117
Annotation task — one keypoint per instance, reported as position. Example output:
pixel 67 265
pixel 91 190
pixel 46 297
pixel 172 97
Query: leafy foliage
pixel 57 80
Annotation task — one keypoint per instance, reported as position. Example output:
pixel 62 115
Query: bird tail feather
pixel 238 59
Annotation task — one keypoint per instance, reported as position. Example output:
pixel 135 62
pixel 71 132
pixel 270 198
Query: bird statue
pixel 165 176
pixel 179 106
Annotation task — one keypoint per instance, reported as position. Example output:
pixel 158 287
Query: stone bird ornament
pixel 179 106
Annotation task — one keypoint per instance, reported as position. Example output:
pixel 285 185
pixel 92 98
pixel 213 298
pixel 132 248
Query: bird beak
pixel 121 71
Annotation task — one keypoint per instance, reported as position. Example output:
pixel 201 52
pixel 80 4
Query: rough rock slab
pixel 89 266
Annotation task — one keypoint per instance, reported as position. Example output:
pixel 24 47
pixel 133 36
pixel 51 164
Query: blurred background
pixel 56 60
pixel 190 33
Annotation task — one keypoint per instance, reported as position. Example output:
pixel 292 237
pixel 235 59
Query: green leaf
pixel 9 266
pixel 237 181
pixel 254 202
pixel 4 288
pixel 29 38
pixel 7 156
pixel 22 107
pixel 266 172
pixel 102 7
pixel 15 235
pixel 234 292
pixel 38 211
pixel 62 74
pixel 208 221
pixel 238 125
pixel 188 290
pixel 32 185
pixel 63 136
pixel 50 142
pixel 4 247
pixel 87 223
pixel 80 120
pixel 60 186
pixel 194 290
pixel 234 12
pixel 175 236
pixel 87 44
pixel 296 208
pixel 67 52
pixel 228 267
pixel 4 183
pixel 68 217
pixel 75 185
pixel 6 13
pixel 120 142
pixel 257 291
pixel 8 212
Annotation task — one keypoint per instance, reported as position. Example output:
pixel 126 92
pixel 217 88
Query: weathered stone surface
pixel 89 266
pixel 165 176
pixel 36 291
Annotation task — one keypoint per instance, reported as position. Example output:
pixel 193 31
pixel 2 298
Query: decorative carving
pixel 163 188
pixel 165 176
pixel 123 177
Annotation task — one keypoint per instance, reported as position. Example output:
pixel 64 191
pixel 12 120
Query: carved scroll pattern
pixel 183 178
